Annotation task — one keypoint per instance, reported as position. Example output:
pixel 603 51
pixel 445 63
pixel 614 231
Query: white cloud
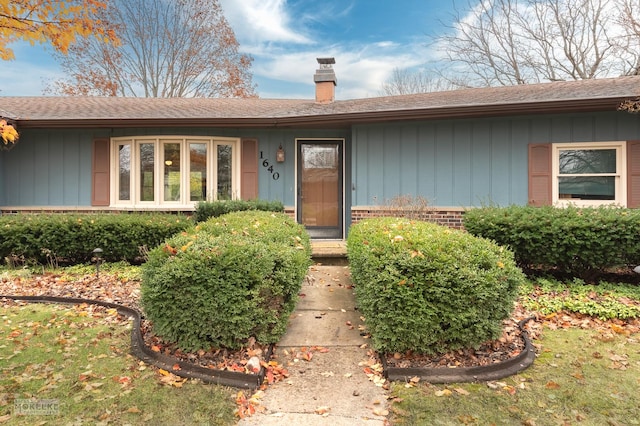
pixel 360 68
pixel 29 74
pixel 262 21
pixel 286 38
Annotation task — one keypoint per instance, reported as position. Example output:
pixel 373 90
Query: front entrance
pixel 320 187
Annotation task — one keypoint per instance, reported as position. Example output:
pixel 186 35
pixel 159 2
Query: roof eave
pixel 346 119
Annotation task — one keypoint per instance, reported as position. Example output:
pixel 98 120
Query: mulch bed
pixel 507 346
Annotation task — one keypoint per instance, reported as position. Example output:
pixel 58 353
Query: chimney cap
pixel 326 61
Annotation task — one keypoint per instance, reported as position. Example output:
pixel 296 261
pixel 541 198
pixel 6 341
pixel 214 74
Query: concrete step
pixel 329 249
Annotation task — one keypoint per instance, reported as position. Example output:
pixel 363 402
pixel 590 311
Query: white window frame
pixel 212 142
pixel 620 174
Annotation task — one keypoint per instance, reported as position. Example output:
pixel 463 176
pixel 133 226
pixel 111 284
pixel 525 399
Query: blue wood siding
pixel 53 167
pixel 48 168
pixel 464 163
pixel 452 163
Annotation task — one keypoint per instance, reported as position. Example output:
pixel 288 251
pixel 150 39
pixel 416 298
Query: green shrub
pixel 583 242
pixel 208 209
pixel 71 238
pixel 427 288
pixel 222 284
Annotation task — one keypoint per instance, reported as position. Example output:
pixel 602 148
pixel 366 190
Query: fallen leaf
pixel 552 385
pixel 617 329
pixel 462 391
pixel 467 419
pixel 510 390
pixel 379 411
pixel 322 410
pixel 617 358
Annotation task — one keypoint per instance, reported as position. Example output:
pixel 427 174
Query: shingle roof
pixel 597 94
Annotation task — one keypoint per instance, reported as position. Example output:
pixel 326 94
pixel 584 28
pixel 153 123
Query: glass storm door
pixel 320 188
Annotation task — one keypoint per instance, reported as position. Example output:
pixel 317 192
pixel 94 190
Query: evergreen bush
pixel 208 209
pixel 427 288
pixel 222 284
pixel 71 238
pixel 583 242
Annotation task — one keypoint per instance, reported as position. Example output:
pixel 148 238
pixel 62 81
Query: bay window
pixel 174 171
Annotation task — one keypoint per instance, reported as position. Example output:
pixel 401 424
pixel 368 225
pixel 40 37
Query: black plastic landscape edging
pixel 468 374
pixel 143 352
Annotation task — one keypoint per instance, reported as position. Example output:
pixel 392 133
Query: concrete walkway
pixel 326 357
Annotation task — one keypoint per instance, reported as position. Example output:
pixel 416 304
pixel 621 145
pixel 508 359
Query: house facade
pixel 331 163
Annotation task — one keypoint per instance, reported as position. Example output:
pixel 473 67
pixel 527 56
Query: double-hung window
pixel 589 174
pixel 166 171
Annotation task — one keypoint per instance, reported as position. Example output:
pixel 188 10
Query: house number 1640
pixel 265 163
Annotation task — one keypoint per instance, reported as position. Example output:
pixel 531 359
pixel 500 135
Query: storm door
pixel 320 190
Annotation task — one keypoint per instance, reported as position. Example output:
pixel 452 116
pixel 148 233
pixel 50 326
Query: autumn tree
pixel 178 48
pixel 8 133
pixel 60 23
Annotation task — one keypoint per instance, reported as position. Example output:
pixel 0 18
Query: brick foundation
pixel 442 216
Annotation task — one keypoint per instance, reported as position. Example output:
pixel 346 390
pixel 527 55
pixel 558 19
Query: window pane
pixel 124 172
pixel 198 171
pixel 587 188
pixel 320 157
pixel 146 171
pixel 587 161
pixel 224 172
pixel 171 172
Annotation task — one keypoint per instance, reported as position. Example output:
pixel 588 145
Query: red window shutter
pixel 540 174
pixel 100 173
pixel 249 169
pixel 633 174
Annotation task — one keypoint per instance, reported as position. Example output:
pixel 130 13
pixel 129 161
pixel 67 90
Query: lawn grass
pixel 79 358
pixel 586 377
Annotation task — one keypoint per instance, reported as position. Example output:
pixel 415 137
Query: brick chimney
pixel 325 80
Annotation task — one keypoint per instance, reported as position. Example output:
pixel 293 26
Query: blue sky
pixel 368 38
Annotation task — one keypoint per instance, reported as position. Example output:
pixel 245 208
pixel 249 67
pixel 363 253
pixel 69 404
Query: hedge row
pixel 583 242
pixel 427 288
pixel 208 209
pixel 232 278
pixel 71 238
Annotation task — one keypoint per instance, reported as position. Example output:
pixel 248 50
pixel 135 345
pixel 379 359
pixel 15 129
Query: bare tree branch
pixel 404 82
pixel 169 48
pixel 507 42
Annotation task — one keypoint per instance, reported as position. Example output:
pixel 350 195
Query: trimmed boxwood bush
pixel 232 278
pixel 427 288
pixel 71 238
pixel 583 242
pixel 208 209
